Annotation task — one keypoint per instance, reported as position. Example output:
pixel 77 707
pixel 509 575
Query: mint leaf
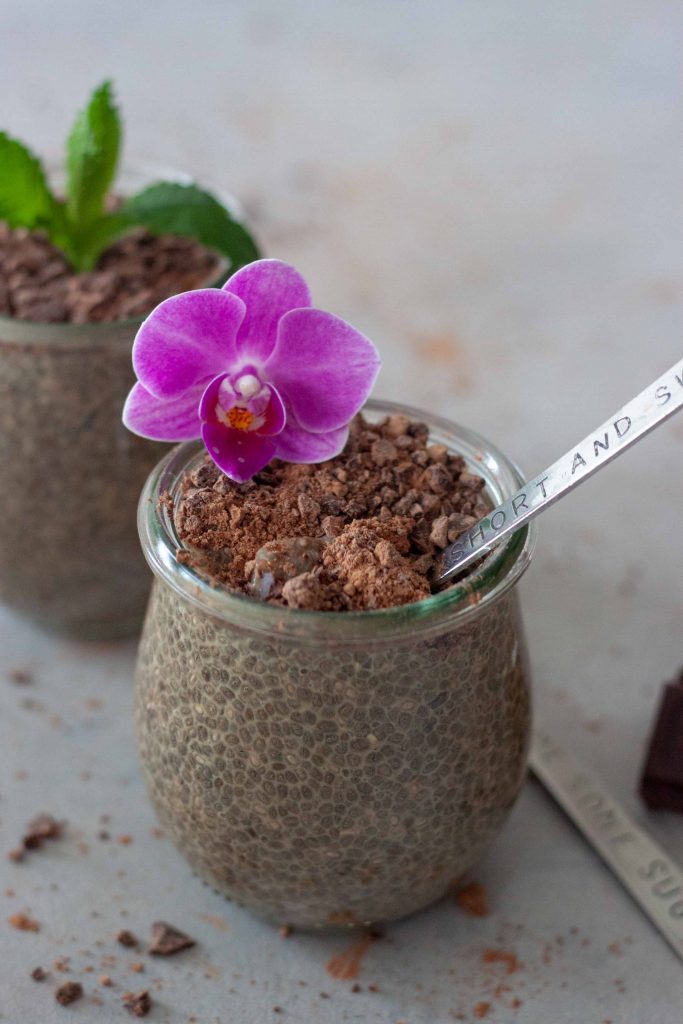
pixel 25 198
pixel 168 208
pixel 84 250
pixel 92 153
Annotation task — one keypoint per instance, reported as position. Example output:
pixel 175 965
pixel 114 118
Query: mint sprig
pixel 80 224
pixel 92 155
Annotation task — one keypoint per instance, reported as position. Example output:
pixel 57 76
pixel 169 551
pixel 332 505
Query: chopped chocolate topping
pixel 167 940
pixel 126 938
pixel 68 993
pixel 361 531
pixel 138 1004
pixel 661 784
pixel 131 277
pixel 38 974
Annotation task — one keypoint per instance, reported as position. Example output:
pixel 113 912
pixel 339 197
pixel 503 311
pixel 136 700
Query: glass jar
pixel 328 768
pixel 71 473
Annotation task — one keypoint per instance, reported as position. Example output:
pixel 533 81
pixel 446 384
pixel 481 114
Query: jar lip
pixel 499 571
pixel 20 332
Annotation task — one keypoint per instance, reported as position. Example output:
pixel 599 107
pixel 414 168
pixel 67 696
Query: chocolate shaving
pixel 472 900
pixel 138 1004
pixel 20 676
pixel 68 993
pixel 167 940
pixel 40 828
pixel 23 923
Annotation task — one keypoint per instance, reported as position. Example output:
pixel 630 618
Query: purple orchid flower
pixel 253 369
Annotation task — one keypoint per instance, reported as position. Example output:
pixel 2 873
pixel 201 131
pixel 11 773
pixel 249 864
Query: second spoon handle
pixel 643 413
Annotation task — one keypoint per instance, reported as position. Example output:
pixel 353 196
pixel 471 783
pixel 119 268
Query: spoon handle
pixel 638 417
pixel 640 864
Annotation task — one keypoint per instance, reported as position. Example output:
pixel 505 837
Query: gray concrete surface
pixel 492 191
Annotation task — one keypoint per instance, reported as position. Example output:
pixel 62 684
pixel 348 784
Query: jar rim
pixel 20 332
pixel 497 573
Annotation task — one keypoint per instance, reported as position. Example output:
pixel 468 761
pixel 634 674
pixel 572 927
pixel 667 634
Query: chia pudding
pixel 69 554
pixel 327 742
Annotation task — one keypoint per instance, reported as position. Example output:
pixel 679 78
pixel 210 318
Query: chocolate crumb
pixel 23 923
pixel 167 940
pixel 38 974
pixel 286 930
pixel 661 785
pixel 68 993
pixel 502 956
pixel 126 938
pixel 20 676
pixel 40 828
pixel 472 900
pixel 138 1004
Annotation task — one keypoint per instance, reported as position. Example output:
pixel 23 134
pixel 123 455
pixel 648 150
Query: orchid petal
pixel 175 419
pixel 276 417
pixel 238 453
pixel 210 396
pixel 186 339
pixel 268 289
pixel 323 367
pixel 295 444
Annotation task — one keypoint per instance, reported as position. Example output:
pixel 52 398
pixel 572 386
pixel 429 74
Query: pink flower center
pixel 242 403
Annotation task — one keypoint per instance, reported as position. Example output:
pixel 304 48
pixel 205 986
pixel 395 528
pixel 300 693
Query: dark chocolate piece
pixel 661 785
pixel 126 938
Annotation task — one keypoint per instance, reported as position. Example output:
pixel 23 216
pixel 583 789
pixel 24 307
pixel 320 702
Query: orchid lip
pixel 224 404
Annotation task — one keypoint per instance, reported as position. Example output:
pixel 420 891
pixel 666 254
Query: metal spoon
pixel 642 414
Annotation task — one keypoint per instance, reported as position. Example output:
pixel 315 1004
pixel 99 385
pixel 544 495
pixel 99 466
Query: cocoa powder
pixel 361 531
